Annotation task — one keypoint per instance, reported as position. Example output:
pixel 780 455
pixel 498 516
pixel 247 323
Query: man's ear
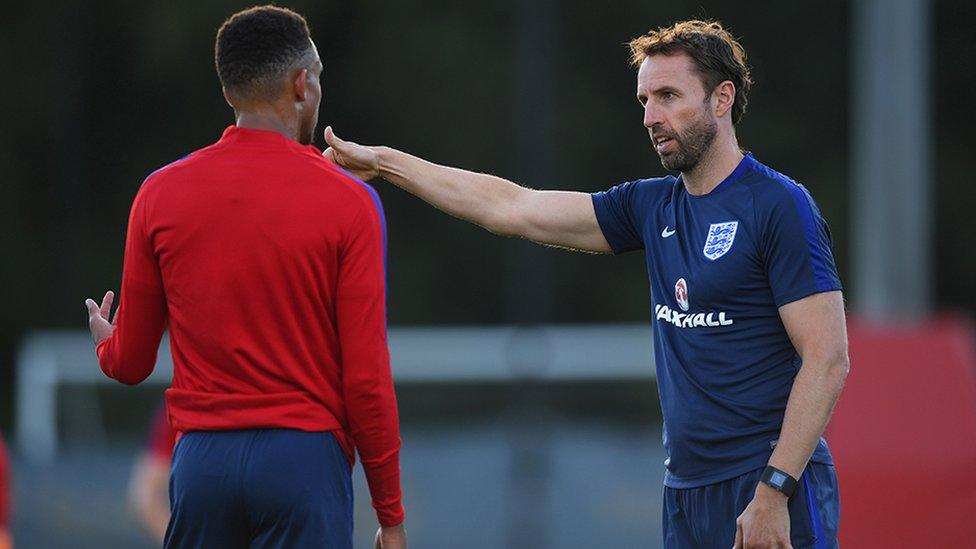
pixel 227 98
pixel 299 83
pixel 723 98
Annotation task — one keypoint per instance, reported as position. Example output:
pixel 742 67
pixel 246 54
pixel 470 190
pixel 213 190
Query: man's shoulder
pixel 659 184
pixel 213 159
pixel 652 192
pixel 180 166
pixel 643 190
pixel 158 175
pixel 342 179
pixel 779 201
pixel 760 175
pixel 772 189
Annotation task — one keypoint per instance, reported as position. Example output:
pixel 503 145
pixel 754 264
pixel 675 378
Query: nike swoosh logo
pixel 666 233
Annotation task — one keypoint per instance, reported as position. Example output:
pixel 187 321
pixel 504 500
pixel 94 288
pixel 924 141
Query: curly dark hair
pixel 716 53
pixel 258 46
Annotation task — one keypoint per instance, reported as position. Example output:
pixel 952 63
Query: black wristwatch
pixel 778 480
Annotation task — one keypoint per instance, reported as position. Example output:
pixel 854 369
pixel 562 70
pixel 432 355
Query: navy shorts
pixel 261 488
pixel 705 517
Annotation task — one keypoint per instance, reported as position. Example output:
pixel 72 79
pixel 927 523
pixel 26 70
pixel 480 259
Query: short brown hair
pixel 716 53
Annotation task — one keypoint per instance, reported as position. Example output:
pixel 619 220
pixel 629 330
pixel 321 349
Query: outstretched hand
pixel 98 317
pixel 361 161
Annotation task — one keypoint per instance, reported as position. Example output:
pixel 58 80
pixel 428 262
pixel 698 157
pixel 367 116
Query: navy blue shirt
pixel 720 265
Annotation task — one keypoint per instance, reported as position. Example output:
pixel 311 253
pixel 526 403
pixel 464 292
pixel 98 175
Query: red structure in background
pixel 904 436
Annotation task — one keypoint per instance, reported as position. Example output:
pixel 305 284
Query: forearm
pixel 483 199
pixel 370 402
pixel 815 391
pixel 127 349
pixel 379 449
pixel 129 354
pixel 384 488
pixel 374 427
pixel 557 218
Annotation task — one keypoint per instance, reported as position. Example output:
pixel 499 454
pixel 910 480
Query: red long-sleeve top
pixel 268 264
pixel 4 487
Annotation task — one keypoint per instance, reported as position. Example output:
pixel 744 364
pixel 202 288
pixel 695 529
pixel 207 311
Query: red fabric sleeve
pixel 162 439
pixel 367 382
pixel 129 355
pixel 4 487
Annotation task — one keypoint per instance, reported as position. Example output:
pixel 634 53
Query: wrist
pixel 382 155
pixel 778 480
pixel 767 493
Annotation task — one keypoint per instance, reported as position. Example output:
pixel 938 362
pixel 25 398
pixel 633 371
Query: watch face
pixel 777 478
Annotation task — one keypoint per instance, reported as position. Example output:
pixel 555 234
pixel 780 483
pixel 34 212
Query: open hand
pixel 361 161
pixel 391 537
pixel 98 317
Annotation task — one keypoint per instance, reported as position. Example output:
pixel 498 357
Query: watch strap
pixel 778 480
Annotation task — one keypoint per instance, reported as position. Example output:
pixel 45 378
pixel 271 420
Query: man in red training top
pixel 267 262
pixel 6 542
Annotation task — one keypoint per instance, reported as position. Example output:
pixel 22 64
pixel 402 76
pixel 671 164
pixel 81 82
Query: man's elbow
pixel 132 379
pixel 839 367
pixel 503 222
pixel 130 374
pixel 510 214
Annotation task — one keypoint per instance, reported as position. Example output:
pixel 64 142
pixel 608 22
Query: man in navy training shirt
pixel 749 330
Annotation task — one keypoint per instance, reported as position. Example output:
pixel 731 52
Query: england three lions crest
pixel 719 239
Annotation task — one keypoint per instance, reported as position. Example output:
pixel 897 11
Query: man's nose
pixel 652 116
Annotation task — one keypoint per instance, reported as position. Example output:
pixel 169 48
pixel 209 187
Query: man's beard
pixel 691 145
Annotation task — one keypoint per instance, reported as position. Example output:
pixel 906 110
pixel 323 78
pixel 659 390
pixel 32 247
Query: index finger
pixel 106 306
pixel 738 537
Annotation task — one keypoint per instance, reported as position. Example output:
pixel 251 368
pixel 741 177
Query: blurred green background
pixel 99 94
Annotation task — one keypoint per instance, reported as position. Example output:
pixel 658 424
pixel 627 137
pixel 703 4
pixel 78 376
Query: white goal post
pixel 50 359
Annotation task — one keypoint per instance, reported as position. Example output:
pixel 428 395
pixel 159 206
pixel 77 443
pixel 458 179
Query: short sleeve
pixel 618 213
pixel 797 246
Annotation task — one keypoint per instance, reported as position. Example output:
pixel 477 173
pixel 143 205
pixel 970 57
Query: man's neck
pixel 718 162
pixel 267 120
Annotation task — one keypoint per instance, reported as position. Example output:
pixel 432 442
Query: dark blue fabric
pixel 705 516
pixel 725 364
pixel 813 508
pixel 260 489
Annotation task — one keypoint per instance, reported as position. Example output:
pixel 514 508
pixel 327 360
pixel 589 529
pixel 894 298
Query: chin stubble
pixel 692 145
